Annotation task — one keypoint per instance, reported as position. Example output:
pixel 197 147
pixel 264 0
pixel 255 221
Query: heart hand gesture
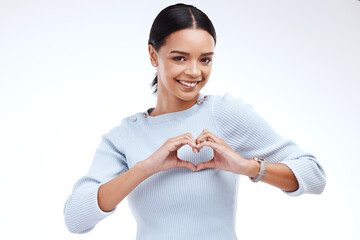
pixel 225 158
pixel 165 158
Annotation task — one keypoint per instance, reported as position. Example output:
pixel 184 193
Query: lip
pixel 187 87
pixel 188 81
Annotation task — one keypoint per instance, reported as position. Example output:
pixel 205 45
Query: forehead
pixel 189 40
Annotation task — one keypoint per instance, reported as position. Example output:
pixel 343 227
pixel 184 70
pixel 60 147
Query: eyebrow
pixel 187 54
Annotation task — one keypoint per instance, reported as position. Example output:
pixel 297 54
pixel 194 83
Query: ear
pixel 153 56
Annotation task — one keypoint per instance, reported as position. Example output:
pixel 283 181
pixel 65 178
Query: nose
pixel 193 69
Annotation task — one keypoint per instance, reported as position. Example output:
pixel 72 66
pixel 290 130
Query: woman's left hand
pixel 225 158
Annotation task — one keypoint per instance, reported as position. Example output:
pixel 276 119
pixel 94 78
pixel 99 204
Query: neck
pixel 169 104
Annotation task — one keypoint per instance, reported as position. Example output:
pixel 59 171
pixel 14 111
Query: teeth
pixel 188 84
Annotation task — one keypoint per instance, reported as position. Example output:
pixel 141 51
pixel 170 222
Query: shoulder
pixel 121 128
pixel 129 125
pixel 227 100
pixel 226 107
pixel 118 133
pixel 233 115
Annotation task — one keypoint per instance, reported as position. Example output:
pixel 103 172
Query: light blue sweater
pixel 180 204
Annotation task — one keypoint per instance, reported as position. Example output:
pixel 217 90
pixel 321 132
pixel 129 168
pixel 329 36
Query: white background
pixel 71 70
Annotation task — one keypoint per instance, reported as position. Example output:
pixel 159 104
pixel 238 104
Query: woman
pixel 178 163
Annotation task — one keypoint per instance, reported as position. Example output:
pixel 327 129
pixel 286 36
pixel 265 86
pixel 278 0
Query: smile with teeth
pixel 189 84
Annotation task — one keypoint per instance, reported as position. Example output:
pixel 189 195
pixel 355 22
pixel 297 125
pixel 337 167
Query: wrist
pixel 253 168
pixel 262 170
pixel 147 167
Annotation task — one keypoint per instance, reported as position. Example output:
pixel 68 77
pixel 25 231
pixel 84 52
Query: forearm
pixel 113 192
pixel 277 174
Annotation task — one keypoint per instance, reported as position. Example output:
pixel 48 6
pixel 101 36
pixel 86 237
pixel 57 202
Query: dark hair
pixel 174 18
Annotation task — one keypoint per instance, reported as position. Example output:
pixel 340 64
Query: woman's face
pixel 184 63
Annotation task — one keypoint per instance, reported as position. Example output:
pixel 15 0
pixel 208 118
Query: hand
pixel 166 158
pixel 225 157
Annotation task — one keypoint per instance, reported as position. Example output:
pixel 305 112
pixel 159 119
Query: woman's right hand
pixel 166 158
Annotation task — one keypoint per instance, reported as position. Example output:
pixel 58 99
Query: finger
pixel 176 145
pixel 207 164
pixel 187 136
pixel 194 149
pixel 206 135
pixel 183 139
pixel 185 164
pixel 201 137
pixel 190 136
pixel 181 142
pixel 213 145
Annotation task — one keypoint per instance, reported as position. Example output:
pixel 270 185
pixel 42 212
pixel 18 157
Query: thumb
pixel 185 164
pixel 207 164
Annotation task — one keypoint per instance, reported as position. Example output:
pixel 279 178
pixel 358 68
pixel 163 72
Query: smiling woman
pixel 180 186
pixel 184 66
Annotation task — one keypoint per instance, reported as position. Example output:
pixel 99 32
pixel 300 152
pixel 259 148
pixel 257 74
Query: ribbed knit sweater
pixel 180 204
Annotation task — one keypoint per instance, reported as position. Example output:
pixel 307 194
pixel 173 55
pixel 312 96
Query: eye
pixel 206 60
pixel 179 58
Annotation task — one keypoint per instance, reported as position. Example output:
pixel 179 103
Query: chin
pixel 188 96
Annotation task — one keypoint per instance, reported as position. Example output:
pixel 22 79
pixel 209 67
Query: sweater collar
pixel 175 115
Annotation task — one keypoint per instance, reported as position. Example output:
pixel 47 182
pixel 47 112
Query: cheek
pixel 172 70
pixel 207 71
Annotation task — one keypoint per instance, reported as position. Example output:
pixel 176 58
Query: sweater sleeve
pixel 251 136
pixel 81 210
